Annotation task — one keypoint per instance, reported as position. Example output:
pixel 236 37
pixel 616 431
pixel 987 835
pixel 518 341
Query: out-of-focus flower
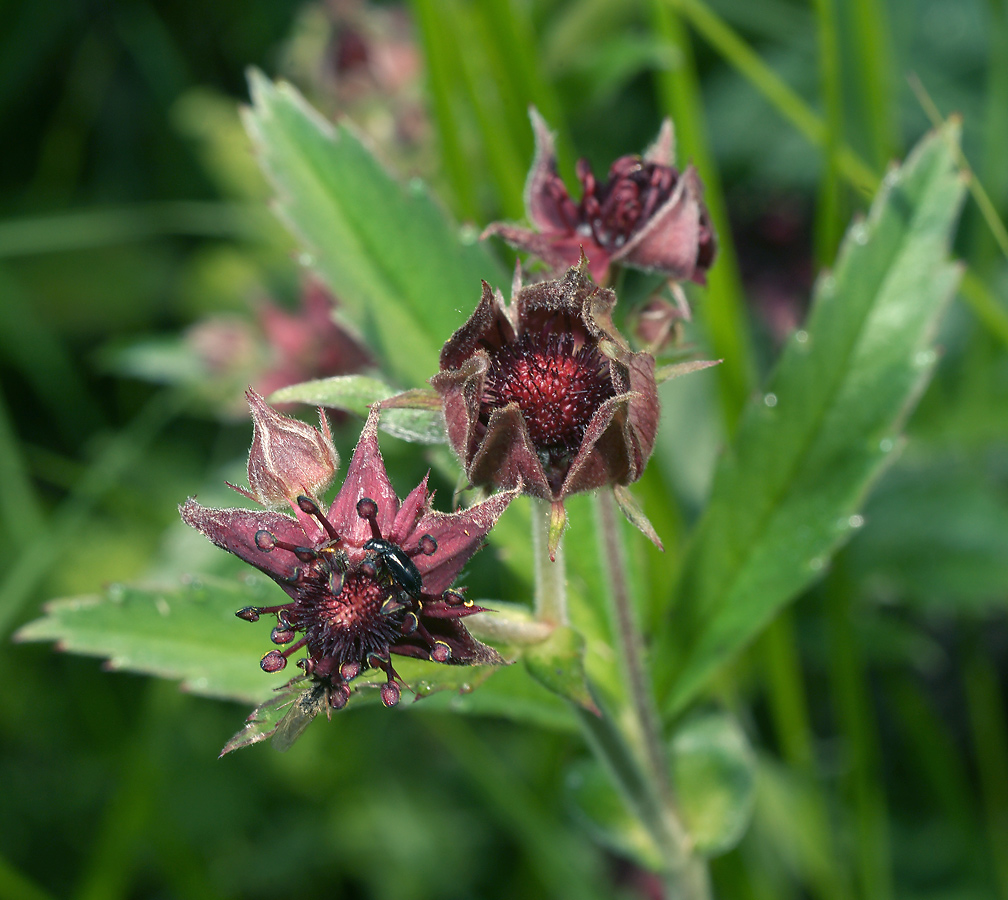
pixel 546 393
pixel 645 215
pixel 283 348
pixel 368 578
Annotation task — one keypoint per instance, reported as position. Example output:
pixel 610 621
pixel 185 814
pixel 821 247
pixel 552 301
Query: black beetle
pixel 399 567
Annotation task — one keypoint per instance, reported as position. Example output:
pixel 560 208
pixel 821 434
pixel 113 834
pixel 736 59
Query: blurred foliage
pixel 131 210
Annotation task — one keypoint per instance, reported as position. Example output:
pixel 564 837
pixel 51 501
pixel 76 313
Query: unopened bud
pixel 288 458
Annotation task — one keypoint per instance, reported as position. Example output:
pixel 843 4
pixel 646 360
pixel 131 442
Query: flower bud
pixel 288 458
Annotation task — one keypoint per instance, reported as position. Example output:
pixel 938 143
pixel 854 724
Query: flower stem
pixel 550 575
pixel 631 646
pixel 687 874
pixel 641 777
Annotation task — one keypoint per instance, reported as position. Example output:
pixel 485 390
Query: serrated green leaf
pixel 402 273
pixel 786 493
pixel 355 393
pixel 714 776
pixel 188 632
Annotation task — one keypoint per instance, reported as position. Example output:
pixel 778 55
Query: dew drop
pixel 162 606
pixel 859 234
pixel 770 400
pixel 885 445
pixel 855 521
pixel 925 358
pixel 801 336
pixel 306 260
pixel 468 234
pixel 416 184
pixel 827 284
pixel 200 684
pixel 816 563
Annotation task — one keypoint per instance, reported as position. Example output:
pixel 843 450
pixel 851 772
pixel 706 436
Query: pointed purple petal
pixel 234 530
pixel 662 150
pixel 409 513
pixel 670 242
pixel 366 477
pixel 506 455
pixel 458 535
pixel 545 193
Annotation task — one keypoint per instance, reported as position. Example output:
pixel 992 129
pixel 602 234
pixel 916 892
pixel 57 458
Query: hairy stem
pixel 550 575
pixel 630 647
pixel 641 777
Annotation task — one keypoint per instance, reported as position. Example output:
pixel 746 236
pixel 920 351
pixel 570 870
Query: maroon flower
pixel 366 579
pixel 546 393
pixel 646 215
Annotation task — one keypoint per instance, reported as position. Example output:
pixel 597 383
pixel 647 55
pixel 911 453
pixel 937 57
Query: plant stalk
pixel 641 777
pixel 550 576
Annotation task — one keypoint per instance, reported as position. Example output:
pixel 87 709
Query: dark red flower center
pixel 616 208
pixel 557 382
pixel 351 617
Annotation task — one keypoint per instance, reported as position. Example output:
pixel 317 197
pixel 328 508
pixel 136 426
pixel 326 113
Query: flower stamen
pixel 307 505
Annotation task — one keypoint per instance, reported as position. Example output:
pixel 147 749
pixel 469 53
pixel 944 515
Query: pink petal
pixel 488 321
pixel 410 511
pixel 459 535
pixel 234 530
pixel 544 191
pixel 662 150
pixel 670 242
pixel 366 477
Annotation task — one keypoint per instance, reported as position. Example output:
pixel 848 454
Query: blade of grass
pixel 856 721
pixel 20 512
pixel 986 707
pixel 976 189
pixel 564 864
pixel 740 55
pixel 873 70
pixel 17 886
pixel 724 303
pixel 829 217
pixel 45 363
pixel 995 125
pixel 790 711
pixel 123 451
pixel 443 74
pixel 857 172
pixel 88 228
pixel 519 52
pixel 935 762
pixel 481 78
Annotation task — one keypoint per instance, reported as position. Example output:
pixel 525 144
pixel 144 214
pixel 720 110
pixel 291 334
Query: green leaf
pixel 187 632
pixel 714 775
pixel 599 806
pixel 936 534
pixel 190 632
pixel 786 493
pixel 355 393
pixel 558 665
pixel 713 770
pixel 400 269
